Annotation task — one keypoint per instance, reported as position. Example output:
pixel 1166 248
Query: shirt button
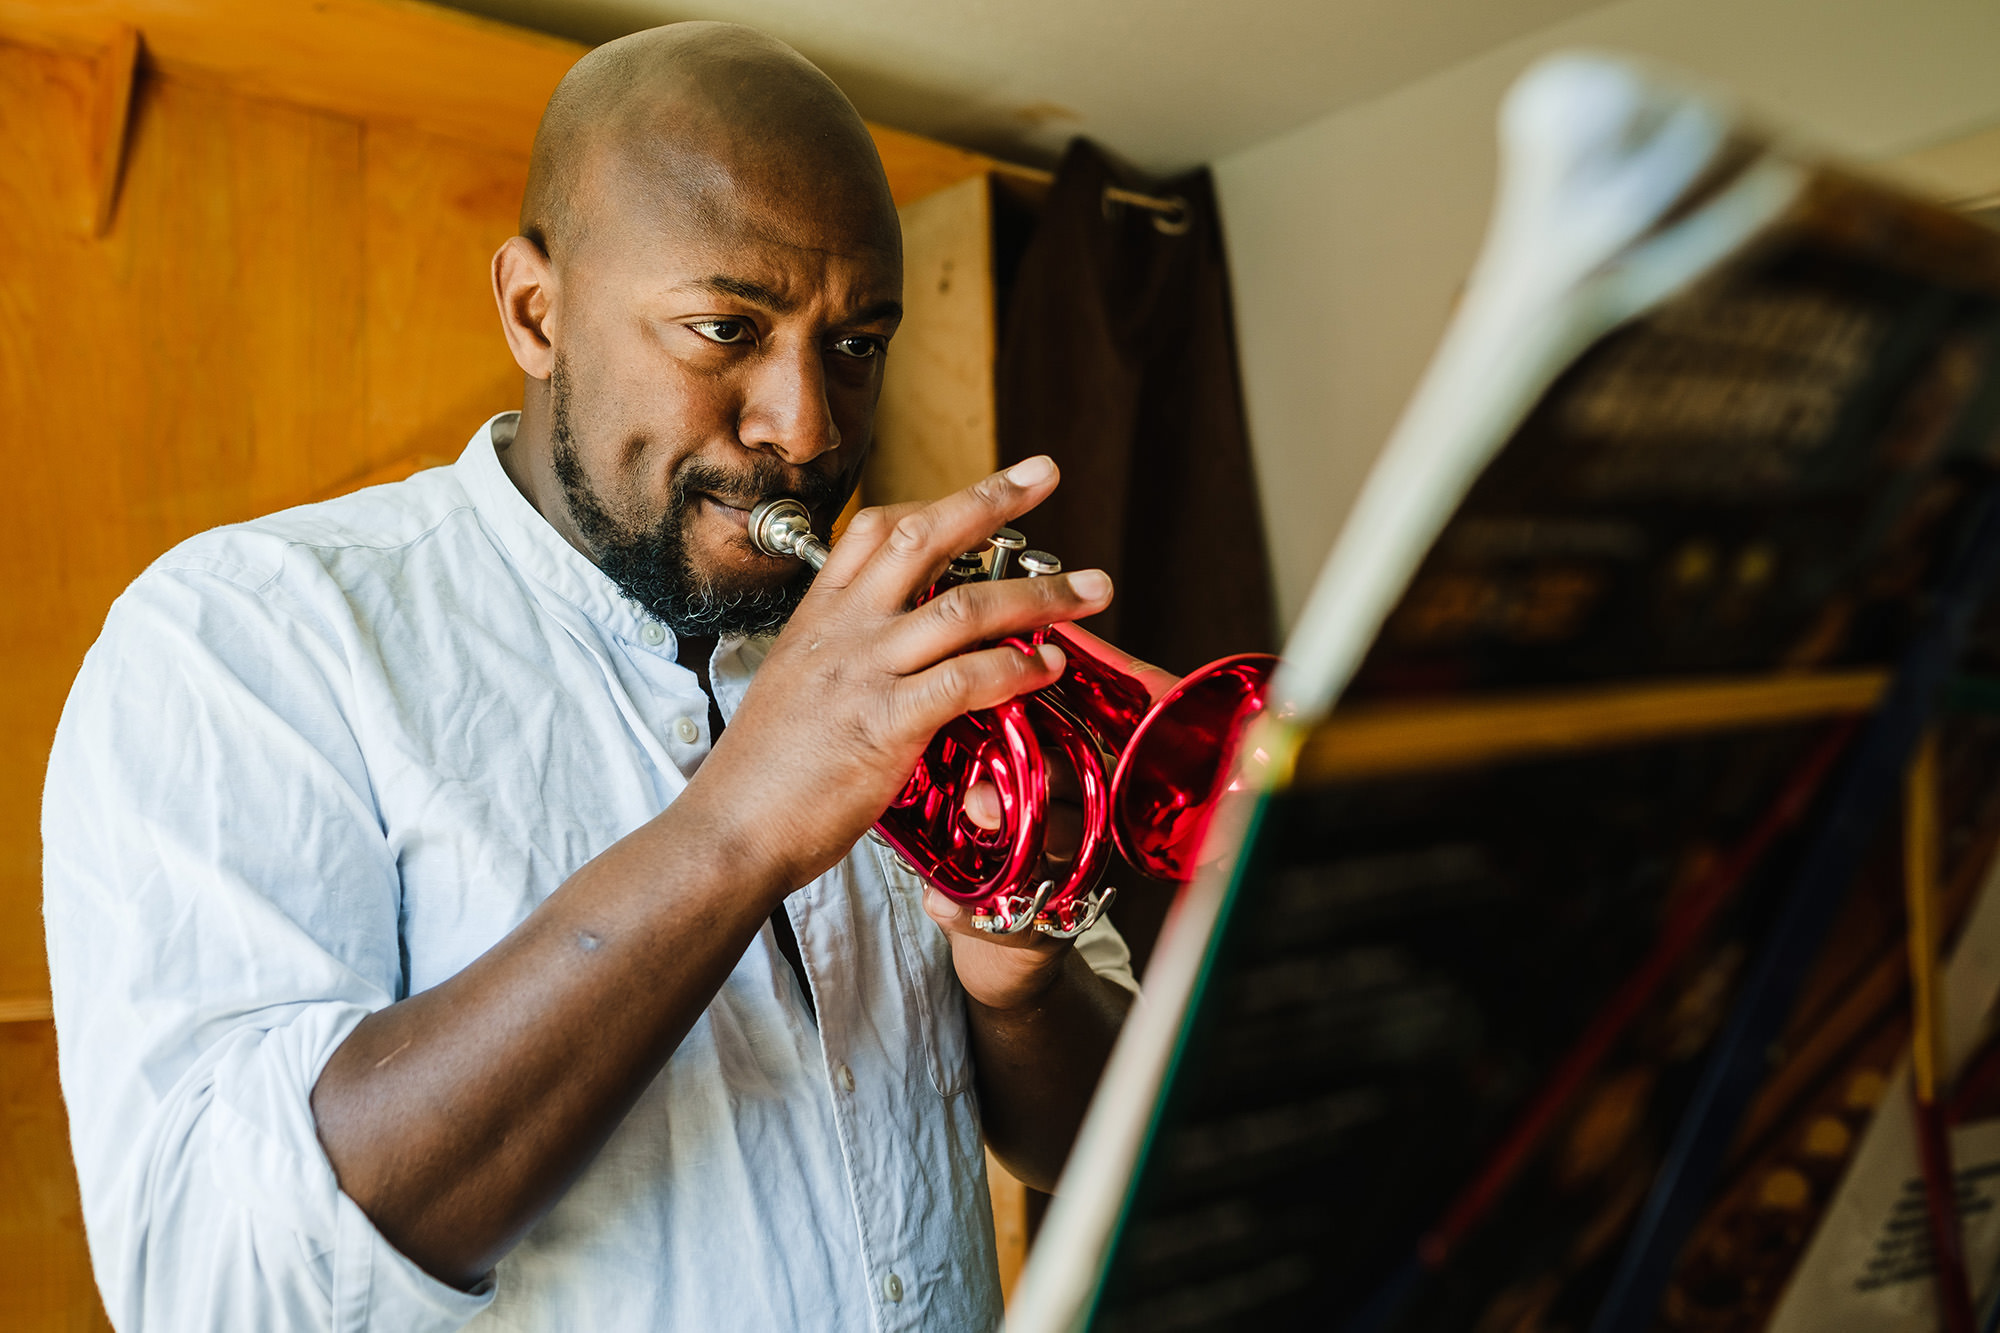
pixel 892 1287
pixel 654 634
pixel 687 731
pixel 845 1077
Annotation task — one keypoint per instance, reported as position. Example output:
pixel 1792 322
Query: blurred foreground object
pixel 1596 712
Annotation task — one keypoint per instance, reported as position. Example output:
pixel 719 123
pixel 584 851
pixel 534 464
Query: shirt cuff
pixel 375 1286
pixel 1106 952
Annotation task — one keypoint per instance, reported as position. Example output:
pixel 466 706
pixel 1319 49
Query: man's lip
pixel 736 513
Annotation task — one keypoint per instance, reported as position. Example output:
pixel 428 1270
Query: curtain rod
pixel 1170 212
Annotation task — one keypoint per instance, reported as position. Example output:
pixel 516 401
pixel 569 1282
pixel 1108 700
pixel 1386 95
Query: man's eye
pixel 725 331
pixel 859 348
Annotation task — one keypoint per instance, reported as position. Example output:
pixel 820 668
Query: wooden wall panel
pixel 1010 1223
pixel 918 167
pixel 934 429
pixel 45 1279
pixel 238 287
pixel 390 60
pixel 436 364
pixel 41 195
pixel 196 366
pixel 387 62
pixel 276 291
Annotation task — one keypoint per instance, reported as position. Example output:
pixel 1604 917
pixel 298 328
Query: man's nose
pixel 786 409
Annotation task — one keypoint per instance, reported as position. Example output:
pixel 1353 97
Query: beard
pixel 652 565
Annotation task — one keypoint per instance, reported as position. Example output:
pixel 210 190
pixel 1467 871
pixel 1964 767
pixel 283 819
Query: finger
pixel 983 611
pixel 918 544
pixel 956 919
pixel 923 702
pixel 942 907
pixel 864 534
pixel 982 806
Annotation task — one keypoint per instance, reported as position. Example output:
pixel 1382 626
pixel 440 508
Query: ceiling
pixel 1166 84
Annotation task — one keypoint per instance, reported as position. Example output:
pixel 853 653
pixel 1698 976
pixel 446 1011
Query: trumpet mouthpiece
pixel 783 527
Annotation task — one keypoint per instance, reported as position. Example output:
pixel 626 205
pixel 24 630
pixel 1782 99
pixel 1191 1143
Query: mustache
pixel 762 478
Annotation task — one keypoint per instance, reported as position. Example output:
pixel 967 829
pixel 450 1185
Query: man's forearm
pixel 1039 1063
pixel 458 1116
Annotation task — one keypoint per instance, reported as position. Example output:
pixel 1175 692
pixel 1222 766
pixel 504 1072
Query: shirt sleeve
pixel 1107 953
pixel 222 910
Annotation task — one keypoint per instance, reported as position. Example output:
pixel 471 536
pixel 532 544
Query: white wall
pixel 1348 237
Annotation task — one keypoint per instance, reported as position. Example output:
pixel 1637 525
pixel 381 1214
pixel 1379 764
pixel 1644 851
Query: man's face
pixel 714 351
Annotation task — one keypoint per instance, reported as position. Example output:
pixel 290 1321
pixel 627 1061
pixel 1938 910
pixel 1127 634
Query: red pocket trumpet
pixel 1147 771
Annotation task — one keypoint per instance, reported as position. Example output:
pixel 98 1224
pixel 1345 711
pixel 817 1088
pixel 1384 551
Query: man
pixel 425 951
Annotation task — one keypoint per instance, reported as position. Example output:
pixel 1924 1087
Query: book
pixel 1821 1223
pixel 1593 712
pixel 1833 1074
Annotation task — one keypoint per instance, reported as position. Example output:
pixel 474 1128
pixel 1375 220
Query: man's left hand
pixel 1002 972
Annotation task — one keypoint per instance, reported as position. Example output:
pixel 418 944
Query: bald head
pixel 681 124
pixel 701 300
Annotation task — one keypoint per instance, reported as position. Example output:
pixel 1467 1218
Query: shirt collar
pixel 536 548
pixel 532 543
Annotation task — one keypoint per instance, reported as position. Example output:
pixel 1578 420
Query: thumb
pixel 942 907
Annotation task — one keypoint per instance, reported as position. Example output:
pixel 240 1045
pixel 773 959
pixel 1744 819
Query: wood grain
pixel 25 1009
pixel 1010 1223
pixel 934 429
pixel 436 366
pixel 196 366
pixel 45 1279
pixel 248 245
pixel 439 70
pixel 918 167
pixel 380 60
pixel 116 71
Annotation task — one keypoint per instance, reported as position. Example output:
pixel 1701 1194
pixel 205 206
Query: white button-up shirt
pixel 320 762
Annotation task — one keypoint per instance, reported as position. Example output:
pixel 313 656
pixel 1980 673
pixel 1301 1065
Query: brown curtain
pixel 1118 358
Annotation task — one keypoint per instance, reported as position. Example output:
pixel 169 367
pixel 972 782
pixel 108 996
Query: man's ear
pixel 524 287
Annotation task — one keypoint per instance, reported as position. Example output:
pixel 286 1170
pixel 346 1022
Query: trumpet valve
pixel 1006 544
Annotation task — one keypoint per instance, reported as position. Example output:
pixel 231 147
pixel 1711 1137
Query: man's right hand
pixel 859 681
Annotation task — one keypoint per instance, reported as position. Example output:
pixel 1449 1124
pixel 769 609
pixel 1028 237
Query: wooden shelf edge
pixel 1386 739
pixel 463 76
pixel 26 1009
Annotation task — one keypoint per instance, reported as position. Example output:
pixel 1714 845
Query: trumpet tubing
pixel 1147 773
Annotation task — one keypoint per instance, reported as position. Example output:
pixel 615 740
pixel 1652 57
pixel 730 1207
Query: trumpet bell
pixel 1173 772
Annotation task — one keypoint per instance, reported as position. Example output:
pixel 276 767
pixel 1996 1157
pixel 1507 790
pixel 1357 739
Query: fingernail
pixel 1032 471
pixel 942 904
pixel 1052 656
pixel 1093 585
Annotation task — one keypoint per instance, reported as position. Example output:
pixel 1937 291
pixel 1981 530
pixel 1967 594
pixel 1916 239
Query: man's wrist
pixel 1035 990
pixel 708 831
